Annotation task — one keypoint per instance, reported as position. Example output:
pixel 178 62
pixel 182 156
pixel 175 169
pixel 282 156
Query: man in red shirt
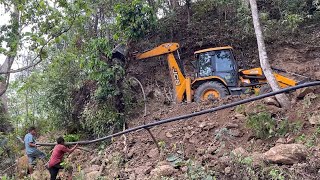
pixel 56 157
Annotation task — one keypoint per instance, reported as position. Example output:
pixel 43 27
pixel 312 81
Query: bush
pixel 71 137
pixel 100 120
pixel 262 125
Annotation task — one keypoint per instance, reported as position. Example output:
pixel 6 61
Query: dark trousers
pixel 54 170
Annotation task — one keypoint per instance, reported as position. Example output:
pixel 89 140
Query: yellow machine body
pixel 185 88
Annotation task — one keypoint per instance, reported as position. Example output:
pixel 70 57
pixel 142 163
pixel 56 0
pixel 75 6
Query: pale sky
pixel 4 19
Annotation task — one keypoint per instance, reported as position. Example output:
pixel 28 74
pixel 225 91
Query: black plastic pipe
pixel 185 117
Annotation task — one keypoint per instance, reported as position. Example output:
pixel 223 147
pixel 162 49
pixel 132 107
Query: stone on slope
pixel 315 119
pixel 240 152
pixel 163 170
pixel 271 101
pixel 301 93
pixel 286 154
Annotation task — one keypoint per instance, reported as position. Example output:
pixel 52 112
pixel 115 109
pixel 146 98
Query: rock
pixel 259 141
pixel 207 125
pixel 39 175
pixel 274 109
pixel 257 159
pixel 290 139
pixel 301 93
pixel 227 170
pixel 281 141
pixel 202 125
pixel 236 133
pixel 240 116
pixel 153 153
pixel 210 126
pixel 93 175
pixel 92 168
pixel 154 93
pixel 231 125
pixel 189 127
pixel 271 101
pixel 169 135
pixel 207 158
pixel 315 119
pixel 132 176
pixel 94 160
pixel 286 154
pixel 212 149
pixel 130 154
pixel 164 170
pixel 184 169
pixel 201 151
pixel 240 151
pixel 142 170
pixel 224 161
pixel 75 155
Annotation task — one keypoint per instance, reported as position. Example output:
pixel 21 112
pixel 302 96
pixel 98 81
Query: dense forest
pixel 59 75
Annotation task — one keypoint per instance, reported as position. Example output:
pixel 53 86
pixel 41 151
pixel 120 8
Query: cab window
pixel 205 64
pixel 223 61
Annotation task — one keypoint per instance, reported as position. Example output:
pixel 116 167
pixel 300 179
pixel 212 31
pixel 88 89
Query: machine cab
pixel 217 62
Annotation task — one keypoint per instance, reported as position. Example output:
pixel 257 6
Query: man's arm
pixel 70 150
pixel 30 141
pixel 32 144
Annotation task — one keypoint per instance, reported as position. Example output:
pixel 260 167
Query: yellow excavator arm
pixel 181 84
pixel 165 48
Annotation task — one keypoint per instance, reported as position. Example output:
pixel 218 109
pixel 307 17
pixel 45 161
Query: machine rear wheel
pixel 210 90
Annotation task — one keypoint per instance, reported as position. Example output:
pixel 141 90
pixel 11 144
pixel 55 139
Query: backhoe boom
pixel 181 84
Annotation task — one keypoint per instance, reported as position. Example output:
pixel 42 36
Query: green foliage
pixel 175 160
pixel 134 19
pixel 196 171
pixel 71 137
pixel 101 120
pixel 5 177
pixel 292 21
pixel 101 69
pixel 262 125
pixel 241 109
pixel 276 174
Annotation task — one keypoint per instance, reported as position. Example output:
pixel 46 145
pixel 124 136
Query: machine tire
pixel 265 89
pixel 212 85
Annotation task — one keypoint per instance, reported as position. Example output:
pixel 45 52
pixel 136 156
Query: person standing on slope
pixel 56 158
pixel 31 149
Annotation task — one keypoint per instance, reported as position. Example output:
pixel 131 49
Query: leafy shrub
pixel 71 137
pixel 276 174
pixel 196 171
pixel 292 21
pixel 100 119
pixel 262 124
pixel 134 19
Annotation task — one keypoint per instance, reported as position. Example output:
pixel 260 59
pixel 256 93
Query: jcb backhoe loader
pixel 217 74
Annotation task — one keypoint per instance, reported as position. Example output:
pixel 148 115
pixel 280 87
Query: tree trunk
pixel 174 4
pixel 6 66
pixel 282 98
pixel 188 6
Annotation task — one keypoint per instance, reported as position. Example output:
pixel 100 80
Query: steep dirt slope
pixel 202 145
